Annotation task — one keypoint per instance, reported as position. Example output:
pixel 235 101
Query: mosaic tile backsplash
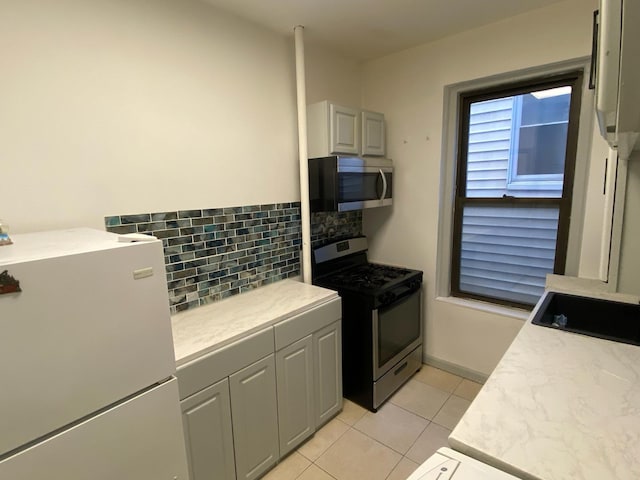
pixel 211 254
pixel 329 226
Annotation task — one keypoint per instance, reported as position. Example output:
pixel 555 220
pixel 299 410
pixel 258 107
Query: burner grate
pixel 368 276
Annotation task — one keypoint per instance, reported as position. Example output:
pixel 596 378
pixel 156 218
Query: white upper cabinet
pixel 373 134
pixel 335 129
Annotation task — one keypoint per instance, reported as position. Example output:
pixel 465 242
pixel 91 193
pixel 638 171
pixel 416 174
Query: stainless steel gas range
pixel 381 319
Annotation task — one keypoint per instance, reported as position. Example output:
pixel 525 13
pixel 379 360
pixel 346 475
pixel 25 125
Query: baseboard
pixel 455 369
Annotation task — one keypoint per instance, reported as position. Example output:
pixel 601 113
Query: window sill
pixel 511 312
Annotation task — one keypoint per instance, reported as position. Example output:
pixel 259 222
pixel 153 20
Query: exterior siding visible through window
pixel 516 156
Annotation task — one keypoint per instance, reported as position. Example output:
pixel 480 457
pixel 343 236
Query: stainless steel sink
pixel 606 319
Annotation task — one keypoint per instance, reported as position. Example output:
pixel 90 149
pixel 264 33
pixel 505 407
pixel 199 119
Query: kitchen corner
pixel 200 353
pixel 257 374
pixel 558 406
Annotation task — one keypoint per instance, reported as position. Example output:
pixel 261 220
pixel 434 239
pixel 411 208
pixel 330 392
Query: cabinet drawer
pixel 204 371
pixel 300 326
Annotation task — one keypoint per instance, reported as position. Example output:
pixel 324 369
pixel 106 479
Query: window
pixel 540 124
pixel 516 156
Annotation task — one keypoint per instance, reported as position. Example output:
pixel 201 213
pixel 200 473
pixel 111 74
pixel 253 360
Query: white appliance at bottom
pixel 140 438
pixel 86 360
pixel 447 464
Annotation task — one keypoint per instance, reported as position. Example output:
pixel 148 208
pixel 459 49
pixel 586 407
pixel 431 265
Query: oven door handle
pixel 384 185
pixel 401 296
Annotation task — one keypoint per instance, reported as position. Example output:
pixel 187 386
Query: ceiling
pixel 365 29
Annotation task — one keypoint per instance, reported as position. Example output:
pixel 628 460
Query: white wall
pixel 594 208
pixel 128 106
pixel 131 106
pixel 408 88
pixel 331 76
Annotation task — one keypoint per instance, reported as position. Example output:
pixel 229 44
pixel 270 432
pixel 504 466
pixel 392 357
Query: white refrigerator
pixel 86 360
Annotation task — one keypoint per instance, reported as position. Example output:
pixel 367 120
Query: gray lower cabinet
pixel 309 349
pixel 327 351
pixel 255 418
pixel 294 378
pixel 206 419
pixel 237 424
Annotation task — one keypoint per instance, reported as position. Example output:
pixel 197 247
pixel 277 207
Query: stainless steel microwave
pixel 342 183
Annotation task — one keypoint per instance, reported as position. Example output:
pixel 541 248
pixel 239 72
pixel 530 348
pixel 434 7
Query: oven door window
pixel 398 327
pixel 363 186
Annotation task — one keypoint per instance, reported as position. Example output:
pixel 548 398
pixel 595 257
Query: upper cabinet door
pixel 335 129
pixel 344 128
pixel 373 134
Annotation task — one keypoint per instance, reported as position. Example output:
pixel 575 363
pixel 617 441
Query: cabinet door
pixel 327 348
pixel 206 419
pixel 343 124
pixel 294 376
pixel 254 418
pixel 373 134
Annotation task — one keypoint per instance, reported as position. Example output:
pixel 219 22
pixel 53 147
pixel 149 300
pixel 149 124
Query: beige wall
pixel 629 277
pixel 132 106
pixel 127 106
pixel 408 88
pixel 331 76
pixel 594 208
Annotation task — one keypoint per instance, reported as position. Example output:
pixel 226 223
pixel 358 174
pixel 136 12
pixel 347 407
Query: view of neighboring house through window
pixel 516 155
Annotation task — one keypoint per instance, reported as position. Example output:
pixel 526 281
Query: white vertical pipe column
pixel 302 153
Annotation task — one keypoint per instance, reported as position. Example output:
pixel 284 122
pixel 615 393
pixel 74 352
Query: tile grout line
pixel 352 427
pixel 402 455
pixel 429 420
pixel 394 467
pixel 393 449
pixel 332 443
pixel 449 395
pixel 318 466
pixel 387 446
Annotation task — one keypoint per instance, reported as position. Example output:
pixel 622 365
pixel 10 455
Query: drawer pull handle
pixel 400 368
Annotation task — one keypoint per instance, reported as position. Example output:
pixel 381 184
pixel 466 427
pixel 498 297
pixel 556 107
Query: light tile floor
pixel 387 445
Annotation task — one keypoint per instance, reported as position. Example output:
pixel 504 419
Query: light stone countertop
pixel 207 328
pixel 558 406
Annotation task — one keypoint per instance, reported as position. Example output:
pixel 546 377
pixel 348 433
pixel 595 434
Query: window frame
pixel 532 181
pixel 574 78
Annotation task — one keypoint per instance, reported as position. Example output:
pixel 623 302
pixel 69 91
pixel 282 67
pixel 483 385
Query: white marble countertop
pixel 558 406
pixel 207 328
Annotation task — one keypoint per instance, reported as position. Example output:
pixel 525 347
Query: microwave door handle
pixel 384 185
